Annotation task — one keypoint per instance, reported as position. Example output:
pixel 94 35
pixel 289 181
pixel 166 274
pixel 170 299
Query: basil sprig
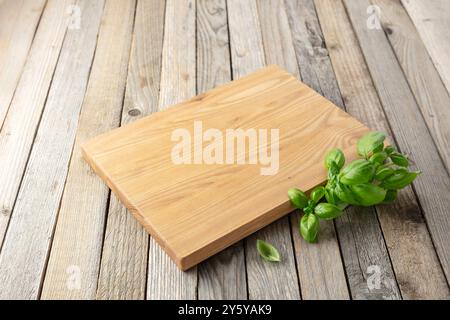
pixel 372 180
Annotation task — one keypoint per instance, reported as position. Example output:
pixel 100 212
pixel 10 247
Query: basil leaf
pixel 309 227
pixel 389 149
pixel 333 171
pixel 336 156
pixel 399 180
pixel 391 195
pixel 368 194
pixel 317 194
pixel 327 211
pixel 298 198
pixel 331 196
pixel 399 159
pixel 370 143
pixel 345 194
pixel 359 171
pixel 383 172
pixel 308 210
pixel 378 157
pixel 342 205
pixel 267 251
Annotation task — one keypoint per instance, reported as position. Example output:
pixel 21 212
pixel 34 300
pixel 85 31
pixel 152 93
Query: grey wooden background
pixel 71 69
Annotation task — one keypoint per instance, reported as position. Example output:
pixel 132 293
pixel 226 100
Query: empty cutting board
pixel 195 210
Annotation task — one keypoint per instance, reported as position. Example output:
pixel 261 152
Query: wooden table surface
pixel 71 69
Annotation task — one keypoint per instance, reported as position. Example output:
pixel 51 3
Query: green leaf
pixel 389 149
pixel 359 171
pixel 383 172
pixel 341 205
pixel 309 227
pixel 399 180
pixel 333 171
pixel 378 157
pixel 399 159
pixel 308 210
pixel 336 156
pixel 345 194
pixel 370 143
pixel 267 251
pixel 330 195
pixel 391 195
pixel 298 198
pixel 317 194
pixel 368 194
pixel 327 211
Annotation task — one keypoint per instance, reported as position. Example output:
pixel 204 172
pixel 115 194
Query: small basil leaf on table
pixel 309 227
pixel 391 195
pixel 370 143
pixel 298 198
pixel 317 194
pixel 399 159
pixel 378 157
pixel 399 180
pixel 327 211
pixel 368 194
pixel 383 172
pixel 336 156
pixel 267 251
pixel 359 171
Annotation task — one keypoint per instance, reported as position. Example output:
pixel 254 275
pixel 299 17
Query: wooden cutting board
pixel 197 209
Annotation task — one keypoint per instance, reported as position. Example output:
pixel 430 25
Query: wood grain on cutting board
pixel 196 210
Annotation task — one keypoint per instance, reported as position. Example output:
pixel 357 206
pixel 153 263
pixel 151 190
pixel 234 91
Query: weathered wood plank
pixel 365 256
pixel 426 85
pixel 123 269
pixel 223 275
pixel 247 55
pixel 24 253
pixel 165 280
pixel 277 37
pixel 319 265
pixel 407 254
pixel 213 51
pixel 18 23
pixel 19 127
pixel 247 52
pixel 431 19
pixel 409 128
pixel 360 236
pixel 416 265
pixel 312 56
pixel 74 261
